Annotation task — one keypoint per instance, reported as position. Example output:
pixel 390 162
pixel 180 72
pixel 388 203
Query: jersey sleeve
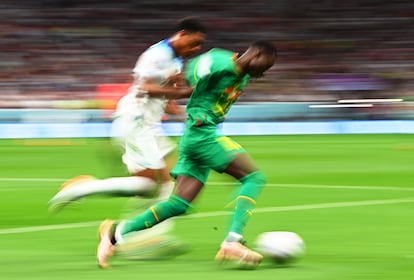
pixel 212 63
pixel 154 64
pixel 197 68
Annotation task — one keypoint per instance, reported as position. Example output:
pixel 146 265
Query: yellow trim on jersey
pixel 229 144
pixel 153 213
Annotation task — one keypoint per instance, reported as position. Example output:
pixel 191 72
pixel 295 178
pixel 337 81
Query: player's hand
pixel 173 108
pixel 169 92
pixel 176 80
pixel 139 91
pixel 185 92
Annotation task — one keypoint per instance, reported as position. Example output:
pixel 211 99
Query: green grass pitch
pixel 351 198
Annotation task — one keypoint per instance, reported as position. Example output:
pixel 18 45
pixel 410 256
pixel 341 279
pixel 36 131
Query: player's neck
pixel 171 43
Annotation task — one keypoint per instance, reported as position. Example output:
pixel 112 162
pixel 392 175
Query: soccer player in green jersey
pixel 218 78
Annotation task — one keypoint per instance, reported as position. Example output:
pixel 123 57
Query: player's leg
pixel 118 233
pixel 186 190
pixel 143 156
pixel 79 188
pixel 158 241
pixel 229 157
pixel 232 159
pixel 190 180
pixel 252 180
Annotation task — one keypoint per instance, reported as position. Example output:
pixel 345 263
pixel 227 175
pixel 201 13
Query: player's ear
pixel 253 52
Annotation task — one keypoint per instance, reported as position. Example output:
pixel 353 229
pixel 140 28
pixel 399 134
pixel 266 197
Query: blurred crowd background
pixel 62 50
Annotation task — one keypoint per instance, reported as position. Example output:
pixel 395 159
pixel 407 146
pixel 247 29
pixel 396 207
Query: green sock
pixel 157 213
pixel 252 185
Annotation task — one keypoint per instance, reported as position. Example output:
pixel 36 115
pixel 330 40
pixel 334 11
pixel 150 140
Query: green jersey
pixel 218 84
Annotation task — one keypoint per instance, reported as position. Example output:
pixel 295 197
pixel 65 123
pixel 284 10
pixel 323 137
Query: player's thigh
pixel 187 166
pixel 220 153
pixel 237 161
pixel 166 146
pixel 241 166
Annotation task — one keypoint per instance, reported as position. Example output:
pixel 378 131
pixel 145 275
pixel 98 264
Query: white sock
pixel 126 186
pixel 233 237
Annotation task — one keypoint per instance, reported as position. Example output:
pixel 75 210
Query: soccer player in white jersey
pixel 157 83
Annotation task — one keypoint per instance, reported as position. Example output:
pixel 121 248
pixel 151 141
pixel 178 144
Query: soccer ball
pixel 280 246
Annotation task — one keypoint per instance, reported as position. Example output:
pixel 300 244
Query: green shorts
pixel 202 149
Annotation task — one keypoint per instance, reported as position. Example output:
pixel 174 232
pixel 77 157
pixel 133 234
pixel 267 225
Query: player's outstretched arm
pixel 169 91
pixel 173 108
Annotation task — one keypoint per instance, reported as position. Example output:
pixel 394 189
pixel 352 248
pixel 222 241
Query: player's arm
pixel 177 80
pixel 173 108
pixel 155 66
pixel 168 91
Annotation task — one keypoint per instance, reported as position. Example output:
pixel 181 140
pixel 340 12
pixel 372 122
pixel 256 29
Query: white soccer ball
pixel 280 246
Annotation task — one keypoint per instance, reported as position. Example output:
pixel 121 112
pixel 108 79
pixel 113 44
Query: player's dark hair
pixel 190 24
pixel 266 46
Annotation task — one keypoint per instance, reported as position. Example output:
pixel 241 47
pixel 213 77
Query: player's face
pixel 190 43
pixel 259 64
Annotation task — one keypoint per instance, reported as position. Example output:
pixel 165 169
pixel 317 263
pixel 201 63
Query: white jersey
pixel 138 116
pixel 156 64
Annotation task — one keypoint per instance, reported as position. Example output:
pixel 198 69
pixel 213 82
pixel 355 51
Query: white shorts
pixel 143 146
